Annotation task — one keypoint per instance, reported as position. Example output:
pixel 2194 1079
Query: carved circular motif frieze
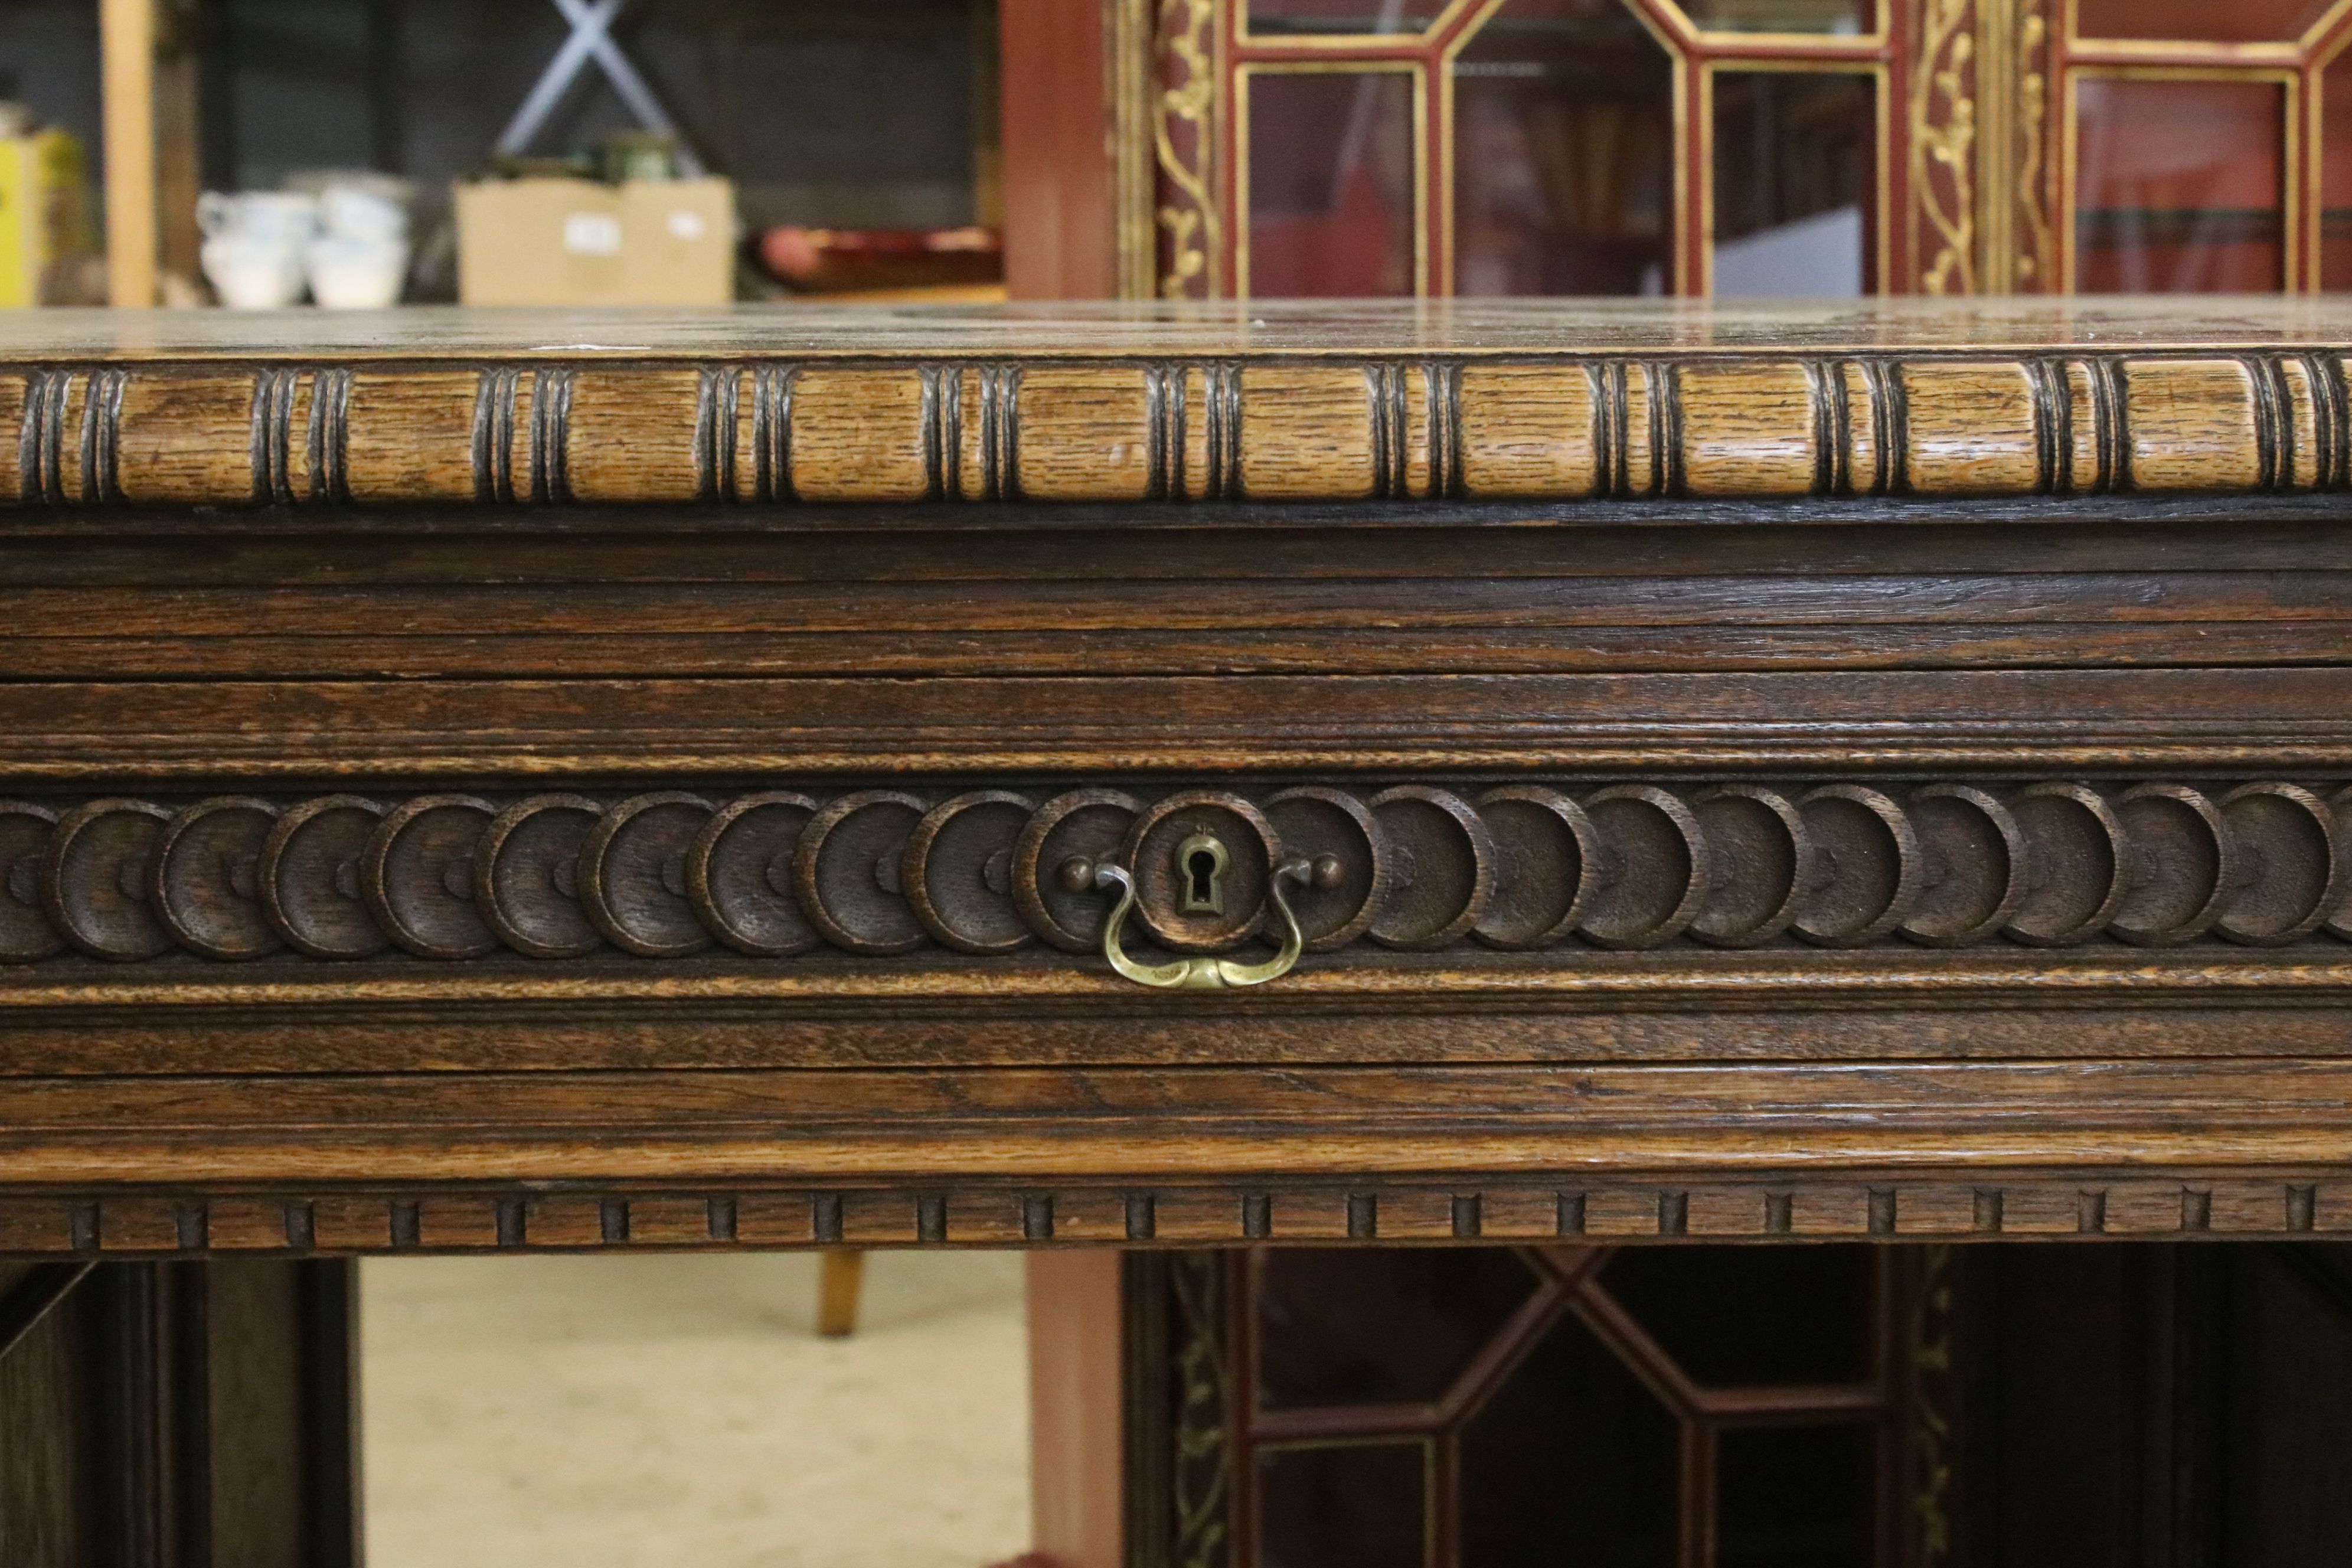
pixel 1416 868
pixel 849 867
pixel 1865 865
pixel 2075 842
pixel 1202 861
pixel 208 879
pixel 1054 863
pixel 738 874
pixel 1339 838
pixel 1650 872
pixel 309 877
pixel 527 876
pixel 2180 865
pixel 99 880
pixel 2287 873
pixel 1542 842
pixel 1972 860
pixel 632 875
pixel 959 871
pixel 419 875
pixel 1760 864
pixel 26 930
pixel 1441 867
pixel 2339 920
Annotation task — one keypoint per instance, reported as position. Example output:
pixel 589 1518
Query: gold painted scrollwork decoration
pixel 1931 1435
pixel 1201 1481
pixel 2036 261
pixel 1943 146
pixel 1184 138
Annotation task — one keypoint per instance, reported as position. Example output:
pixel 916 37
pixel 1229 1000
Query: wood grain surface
pixel 468 787
pixel 1138 403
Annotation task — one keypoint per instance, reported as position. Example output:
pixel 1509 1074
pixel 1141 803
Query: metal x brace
pixel 591 39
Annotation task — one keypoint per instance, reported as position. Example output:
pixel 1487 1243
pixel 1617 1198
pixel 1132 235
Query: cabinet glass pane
pixel 2200 21
pixel 1291 16
pixel 1842 17
pixel 2178 187
pixel 2335 175
pixel 1330 185
pixel 1359 1507
pixel 1796 183
pixel 1794 1498
pixel 1572 1462
pixel 1738 1317
pixel 1376 1326
pixel 1563 167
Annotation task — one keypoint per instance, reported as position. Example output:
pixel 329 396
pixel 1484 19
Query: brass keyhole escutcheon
pixel 1201 864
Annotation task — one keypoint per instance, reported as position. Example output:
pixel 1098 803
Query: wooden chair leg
pixel 836 1305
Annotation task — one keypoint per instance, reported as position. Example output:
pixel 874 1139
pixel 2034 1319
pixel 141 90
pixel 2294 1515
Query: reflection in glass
pixel 1573 1461
pixel 1740 1317
pixel 1795 183
pixel 1839 16
pixel 1794 1498
pixel 1375 1326
pixel 1280 16
pixel 2200 21
pixel 2335 175
pixel 1330 185
pixel 1358 1507
pixel 2178 187
pixel 1564 132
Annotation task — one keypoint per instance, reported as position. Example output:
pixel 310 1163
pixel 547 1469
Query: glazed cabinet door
pixel 1732 148
pixel 178 1415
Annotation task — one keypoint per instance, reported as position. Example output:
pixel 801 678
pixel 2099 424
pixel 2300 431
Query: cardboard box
pixel 576 242
pixel 45 228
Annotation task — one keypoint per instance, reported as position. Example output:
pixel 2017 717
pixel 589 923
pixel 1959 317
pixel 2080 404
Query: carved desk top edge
pixel 1436 403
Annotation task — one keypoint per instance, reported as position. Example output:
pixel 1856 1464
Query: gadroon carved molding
pixel 1422 429
pixel 1515 865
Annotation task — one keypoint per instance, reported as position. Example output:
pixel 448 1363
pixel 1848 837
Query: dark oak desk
pixel 500 780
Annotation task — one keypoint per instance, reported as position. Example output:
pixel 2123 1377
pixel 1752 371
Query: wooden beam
pixel 179 171
pixel 1077 1477
pixel 127 56
pixel 1060 220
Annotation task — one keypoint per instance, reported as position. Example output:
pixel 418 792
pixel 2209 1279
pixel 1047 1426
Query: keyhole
pixel 1200 862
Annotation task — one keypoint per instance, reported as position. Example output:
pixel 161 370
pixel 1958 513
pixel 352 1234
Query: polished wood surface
pixel 703 874
pixel 1042 330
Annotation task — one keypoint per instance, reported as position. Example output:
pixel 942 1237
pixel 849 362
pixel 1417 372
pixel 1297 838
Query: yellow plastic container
pixel 45 228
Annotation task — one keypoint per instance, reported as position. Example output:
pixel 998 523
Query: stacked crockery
pixel 361 260
pixel 253 244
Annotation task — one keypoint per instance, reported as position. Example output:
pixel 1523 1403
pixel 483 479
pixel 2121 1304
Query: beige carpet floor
pixel 681 1413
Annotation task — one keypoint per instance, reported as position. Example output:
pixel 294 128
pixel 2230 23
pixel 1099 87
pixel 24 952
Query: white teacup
pixel 351 274
pixel 253 272
pixel 354 212
pixel 281 216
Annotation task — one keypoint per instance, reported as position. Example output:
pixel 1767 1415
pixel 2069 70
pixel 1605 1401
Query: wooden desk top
pixel 1132 405
pixel 1261 328
pixel 462 789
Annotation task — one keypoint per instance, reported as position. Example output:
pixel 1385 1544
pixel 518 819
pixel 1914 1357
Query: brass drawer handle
pixel 1205 974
